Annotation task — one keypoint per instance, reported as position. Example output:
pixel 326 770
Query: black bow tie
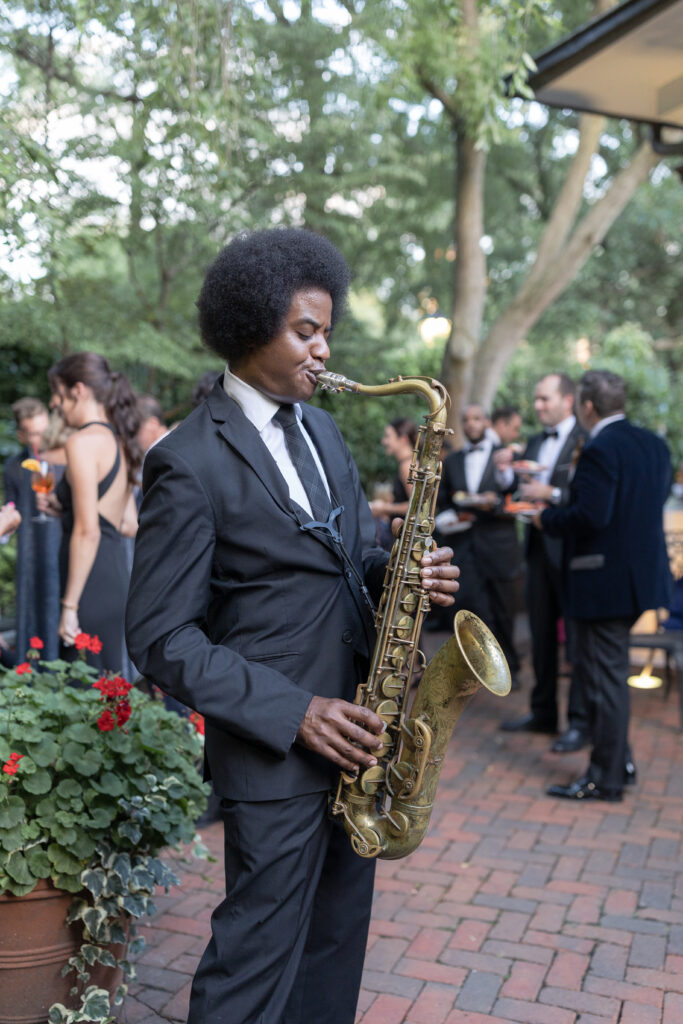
pixel 476 448
pixel 551 433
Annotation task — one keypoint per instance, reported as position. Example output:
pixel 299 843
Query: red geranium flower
pixel 123 687
pixel 198 722
pixel 95 645
pixel 106 722
pixel 123 710
pixel 36 643
pixel 82 641
pixel 15 757
pixel 9 769
pixel 23 669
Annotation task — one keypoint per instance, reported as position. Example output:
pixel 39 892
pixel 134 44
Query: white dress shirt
pixel 259 410
pixel 476 458
pixel 551 447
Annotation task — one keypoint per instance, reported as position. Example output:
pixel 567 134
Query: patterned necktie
pixel 304 463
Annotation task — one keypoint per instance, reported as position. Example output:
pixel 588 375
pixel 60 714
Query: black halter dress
pixel 102 604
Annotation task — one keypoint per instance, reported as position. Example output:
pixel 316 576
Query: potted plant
pixel 96 780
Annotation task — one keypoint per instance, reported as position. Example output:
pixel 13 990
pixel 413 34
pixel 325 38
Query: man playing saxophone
pixel 249 602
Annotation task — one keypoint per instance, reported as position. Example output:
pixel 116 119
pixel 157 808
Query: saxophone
pixel 386 809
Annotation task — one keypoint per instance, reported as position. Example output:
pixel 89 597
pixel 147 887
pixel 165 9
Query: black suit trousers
pixel 601 670
pixel 289 939
pixel 544 600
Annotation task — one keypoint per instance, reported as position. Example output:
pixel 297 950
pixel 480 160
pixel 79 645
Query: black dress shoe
pixel 584 789
pixel 630 774
pixel 572 739
pixel 527 723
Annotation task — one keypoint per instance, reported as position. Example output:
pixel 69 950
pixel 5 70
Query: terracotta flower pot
pixel 35 944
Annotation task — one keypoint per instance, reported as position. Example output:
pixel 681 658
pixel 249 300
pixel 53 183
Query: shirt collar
pixel 606 422
pixel 257 407
pixel 564 428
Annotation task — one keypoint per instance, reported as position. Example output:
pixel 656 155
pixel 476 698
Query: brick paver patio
pixel 515 908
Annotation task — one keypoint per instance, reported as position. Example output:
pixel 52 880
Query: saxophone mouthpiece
pixel 336 382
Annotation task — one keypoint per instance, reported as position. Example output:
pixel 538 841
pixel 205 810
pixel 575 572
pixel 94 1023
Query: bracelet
pixel 71 607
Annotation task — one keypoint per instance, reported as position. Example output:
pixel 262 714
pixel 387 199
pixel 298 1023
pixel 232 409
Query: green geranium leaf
pixel 82 733
pixel 68 789
pixel 44 753
pixel 40 782
pixel 86 761
pixel 65 836
pixel 12 812
pixel 17 889
pixel 71 883
pixel 17 868
pixel 63 860
pixel 112 785
pixel 101 817
pixel 12 838
pixel 84 845
pixel 39 863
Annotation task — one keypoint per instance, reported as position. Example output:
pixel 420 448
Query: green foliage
pixel 97 779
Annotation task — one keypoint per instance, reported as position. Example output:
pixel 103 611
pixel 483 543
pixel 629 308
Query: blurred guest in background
pixel 152 422
pixel 552 450
pixel 37 587
pixel 398 441
pixel 94 498
pixel 616 567
pixel 488 552
pixel 506 425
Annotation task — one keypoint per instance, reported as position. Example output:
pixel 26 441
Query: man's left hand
pixel 438 576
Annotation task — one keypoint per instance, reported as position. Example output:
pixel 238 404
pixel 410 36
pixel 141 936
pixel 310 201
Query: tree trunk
pixel 547 281
pixel 469 276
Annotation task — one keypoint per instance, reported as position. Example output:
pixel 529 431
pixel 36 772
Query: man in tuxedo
pixel 616 566
pixel 250 602
pixel 553 449
pixel 487 550
pixel 506 426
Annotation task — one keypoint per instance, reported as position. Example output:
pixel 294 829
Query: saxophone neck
pixel 433 390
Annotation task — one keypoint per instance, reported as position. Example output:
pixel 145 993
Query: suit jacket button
pixel 347 636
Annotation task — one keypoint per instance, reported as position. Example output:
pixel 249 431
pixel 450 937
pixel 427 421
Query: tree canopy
pixel 138 139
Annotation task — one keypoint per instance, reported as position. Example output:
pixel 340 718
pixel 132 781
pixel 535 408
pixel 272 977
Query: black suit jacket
pixel 616 561
pixel 559 477
pixel 492 539
pixel 237 611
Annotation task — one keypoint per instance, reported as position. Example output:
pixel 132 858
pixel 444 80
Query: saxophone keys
pixel 371 779
pixel 409 602
pixel 404 627
pixel 393 685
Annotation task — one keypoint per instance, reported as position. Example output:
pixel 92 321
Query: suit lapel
pixel 563 462
pixel 488 479
pixel 243 437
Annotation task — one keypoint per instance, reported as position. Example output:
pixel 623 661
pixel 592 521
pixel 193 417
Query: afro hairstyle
pixel 248 289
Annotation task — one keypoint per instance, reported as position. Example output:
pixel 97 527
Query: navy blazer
pixel 615 555
pixel 237 611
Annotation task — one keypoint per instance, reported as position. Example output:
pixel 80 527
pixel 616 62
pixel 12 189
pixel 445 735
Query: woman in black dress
pixel 95 500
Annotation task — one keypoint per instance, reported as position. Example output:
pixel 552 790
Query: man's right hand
pixel 332 727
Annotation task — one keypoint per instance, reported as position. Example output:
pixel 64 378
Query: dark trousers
pixel 288 941
pixel 545 606
pixel 601 667
pixel 489 597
